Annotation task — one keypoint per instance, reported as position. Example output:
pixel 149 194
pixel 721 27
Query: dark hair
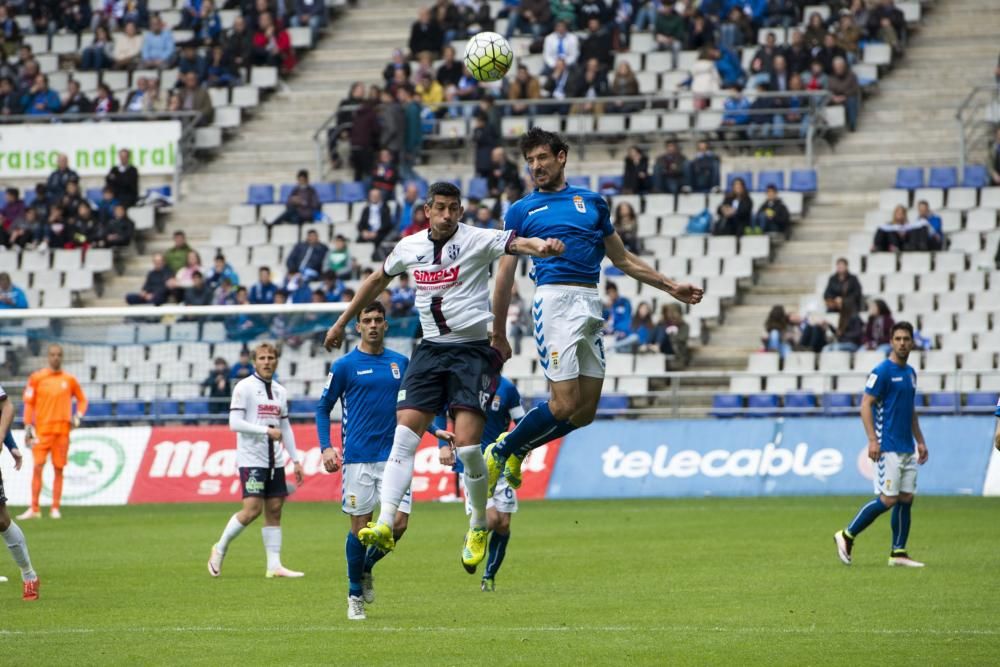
pixel 197 274
pixel 328 275
pixel 373 307
pixel 536 137
pixel 905 326
pixel 264 268
pixel 776 319
pixel 844 260
pixel 303 173
pixel 609 286
pixel 444 189
pixel 219 256
pixel 14 192
pixel 882 307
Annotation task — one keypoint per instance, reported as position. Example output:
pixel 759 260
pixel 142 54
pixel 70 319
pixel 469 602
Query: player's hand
pixel 687 293
pixel 502 345
pixel 274 433
pixel 331 459
pixel 18 459
pixel 29 436
pixel 334 337
pixel 76 421
pixel 552 248
pixel 922 453
pixel 446 455
pixel 297 469
pixel 874 450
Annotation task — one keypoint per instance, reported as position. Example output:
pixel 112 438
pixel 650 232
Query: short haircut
pixel 13 192
pixel 220 360
pixel 373 307
pixel 264 268
pixel 197 274
pixel 220 256
pixel 178 233
pixel 312 231
pixel 266 346
pixel 771 186
pixel 901 325
pixel 844 260
pixel 444 189
pixel 536 137
pixel 303 173
pixel 610 286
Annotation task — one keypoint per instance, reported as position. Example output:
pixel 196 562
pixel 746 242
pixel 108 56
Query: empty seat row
pixel 854 381
pixel 911 178
pixel 944 361
pixel 842 404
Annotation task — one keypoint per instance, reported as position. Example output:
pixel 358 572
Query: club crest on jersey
pixel 395 369
pixel 578 203
pixel 453 251
pixel 495 406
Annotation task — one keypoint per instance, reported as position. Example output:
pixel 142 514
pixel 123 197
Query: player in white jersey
pixel 454 365
pixel 10 531
pixel 258 414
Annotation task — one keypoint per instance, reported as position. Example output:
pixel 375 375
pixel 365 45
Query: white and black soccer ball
pixel 488 56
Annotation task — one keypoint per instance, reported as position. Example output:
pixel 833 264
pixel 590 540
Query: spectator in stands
pixel 11 296
pixel 100 54
pixel 127 47
pixel 198 293
pixel 392 126
pixel 503 174
pixel 878 327
pixel 184 277
pixel 933 223
pixel 364 139
pixel 597 44
pixel 736 117
pixel 116 232
pixel 779 334
pixel 74 101
pixel 560 44
pixel 993 160
pixel 243 326
pixel 207 24
pixel 217 384
pixel 154 289
pixel 636 178
pixel 780 13
pixel 815 32
pixel 671 335
pixel 40 100
pixel 71 199
pixel 797 54
pixel 375 223
pixel 849 37
pixel 767 123
pixel 736 30
pixel 772 216
pixel 425 35
pixel 195 98
pixel 413 133
pixel 848 333
pixel 339 259
pixel 176 257
pixel 55 187
pixel 10 99
pixel 221 72
pixel 419 223
pixel 484 218
pixel 398 63
pixel 669 29
pixel 886 23
pixel 311 13
pixel 842 287
pixel 815 78
pixel 238 44
pixel 902 236
pixel 767 52
pixel 302 204
pixel 105 102
pixel 221 269
pixel 403 297
pixel 106 206
pixel 624 84
pixel 590 82
pixel 518 319
pixel 307 256
pixel 829 52
pixel 705 79
pixel 735 211
pixel 534 16
pixel 242 368
pixel 123 179
pixel 845 89
pixel 406 205
pixel 626 223
pixel 450 71
pixel 485 139
pixel 263 290
pixel 13 208
pixel 669 169
pixel 10 32
pixel 617 312
pixel 272 45
pixel 332 289
pixel 385 176
pixel 158 48
pixel 703 170
pixel 192 61
pixel 225 293
pixel 446 15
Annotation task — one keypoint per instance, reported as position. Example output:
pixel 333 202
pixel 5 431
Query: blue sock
pixel 355 564
pixel 900 525
pixel 498 549
pixel 372 556
pixel 866 515
pixel 537 428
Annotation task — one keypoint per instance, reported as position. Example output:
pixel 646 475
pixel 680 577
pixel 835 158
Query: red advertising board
pixel 186 464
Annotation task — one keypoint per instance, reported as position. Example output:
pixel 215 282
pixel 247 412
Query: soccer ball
pixel 488 56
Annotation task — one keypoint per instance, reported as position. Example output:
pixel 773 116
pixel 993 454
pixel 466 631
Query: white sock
pixel 232 531
pixel 272 546
pixel 19 550
pixel 472 459
pixel 398 473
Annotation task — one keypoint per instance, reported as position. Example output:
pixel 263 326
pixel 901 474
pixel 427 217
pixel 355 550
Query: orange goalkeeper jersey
pixel 48 401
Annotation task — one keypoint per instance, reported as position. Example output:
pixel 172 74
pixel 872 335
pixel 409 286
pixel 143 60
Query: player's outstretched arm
pixel 534 247
pixel 634 267
pixel 501 304
pixel 369 290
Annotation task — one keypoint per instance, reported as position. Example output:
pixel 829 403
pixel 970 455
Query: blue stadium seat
pixel 762 405
pixel 302 407
pixel 286 190
pixel 99 410
pixel 803 180
pixel 351 192
pixel 578 181
pixel 29 197
pixel 196 407
pixel 260 194
pixel 457 182
pixel 327 192
pixel 166 410
pixel 478 189
pixel 943 402
pixel 838 404
pixel 422 186
pixel 766 178
pixel 94 195
pixel 800 402
pixel 727 405
pixel 747 177
pixel 977 401
pixel 943 177
pixel 612 405
pixel 163 190
pixel 909 178
pixel 131 409
pixel 610 185
pixel 975 176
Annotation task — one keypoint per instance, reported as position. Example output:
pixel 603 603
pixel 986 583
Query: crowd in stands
pixel 637 332
pixel 903 235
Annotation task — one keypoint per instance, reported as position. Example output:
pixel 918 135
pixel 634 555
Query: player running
pixel 366 382
pixel 502 505
pixel 48 419
pixel 10 531
pixel 566 306
pixel 454 364
pixel 891 423
pixel 258 414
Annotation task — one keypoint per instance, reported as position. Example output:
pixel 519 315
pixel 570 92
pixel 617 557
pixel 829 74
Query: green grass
pixel 585 583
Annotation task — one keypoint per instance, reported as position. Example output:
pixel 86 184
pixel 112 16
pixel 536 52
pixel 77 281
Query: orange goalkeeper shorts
pixel 57 443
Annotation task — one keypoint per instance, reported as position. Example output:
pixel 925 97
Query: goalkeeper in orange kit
pixel 48 419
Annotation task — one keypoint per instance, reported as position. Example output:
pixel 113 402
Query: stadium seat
pixel 612 405
pixel 800 402
pixel 943 177
pixel 284 192
pixel 766 178
pixel 803 180
pixel 352 191
pixel 579 181
pixel 131 410
pixel 975 176
pixel 838 404
pixel 302 407
pixel 478 189
pixel 609 184
pixel 726 405
pixel 747 177
pixel 94 195
pixel 99 411
pixel 260 194
pixel 196 408
pixel 977 401
pixel 166 410
pixel 909 178
pixel 421 184
pixel 327 192
pixel 762 405
pixel 943 403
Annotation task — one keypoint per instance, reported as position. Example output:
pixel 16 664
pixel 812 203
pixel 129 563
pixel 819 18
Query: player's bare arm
pixel 874 450
pixel 367 292
pixel 537 247
pixel 634 267
pixel 501 305
pixel 922 453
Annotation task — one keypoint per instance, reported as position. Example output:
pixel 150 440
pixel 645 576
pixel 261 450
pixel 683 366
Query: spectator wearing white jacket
pixel 560 44
pixel 705 80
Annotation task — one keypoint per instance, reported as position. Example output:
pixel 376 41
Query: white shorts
pixel 362 486
pixel 568 331
pixel 504 498
pixel 896 473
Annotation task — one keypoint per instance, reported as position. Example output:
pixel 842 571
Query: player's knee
pixel 889 501
pixel 906 498
pixel 503 524
pixel 563 407
pixel 4 519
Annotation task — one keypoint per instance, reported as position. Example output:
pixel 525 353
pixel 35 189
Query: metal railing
pixel 975 119
pixel 559 115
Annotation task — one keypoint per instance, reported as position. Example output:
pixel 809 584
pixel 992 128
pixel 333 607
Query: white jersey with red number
pixel 451 276
pixel 265 404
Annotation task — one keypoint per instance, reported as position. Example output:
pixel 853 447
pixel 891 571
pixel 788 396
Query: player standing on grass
pixel 567 306
pixel 502 505
pixel 10 531
pixel 890 421
pixel 366 381
pixel 48 419
pixel 454 365
pixel 258 414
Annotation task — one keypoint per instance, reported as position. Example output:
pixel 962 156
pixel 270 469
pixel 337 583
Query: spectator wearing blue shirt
pixel 221 269
pixel 333 289
pixel 11 296
pixel 40 100
pixel 403 297
pixel 191 61
pixel 736 116
pixel 158 48
pixel 307 256
pixel 242 368
pixel 618 312
pixel 641 331
pixel 311 13
pixel 264 290
pixel 925 214
pixel 405 206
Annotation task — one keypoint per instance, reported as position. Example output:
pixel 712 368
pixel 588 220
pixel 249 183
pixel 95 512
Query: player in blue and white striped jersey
pixel 10 531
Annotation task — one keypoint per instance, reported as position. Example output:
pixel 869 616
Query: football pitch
pixel 653 582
